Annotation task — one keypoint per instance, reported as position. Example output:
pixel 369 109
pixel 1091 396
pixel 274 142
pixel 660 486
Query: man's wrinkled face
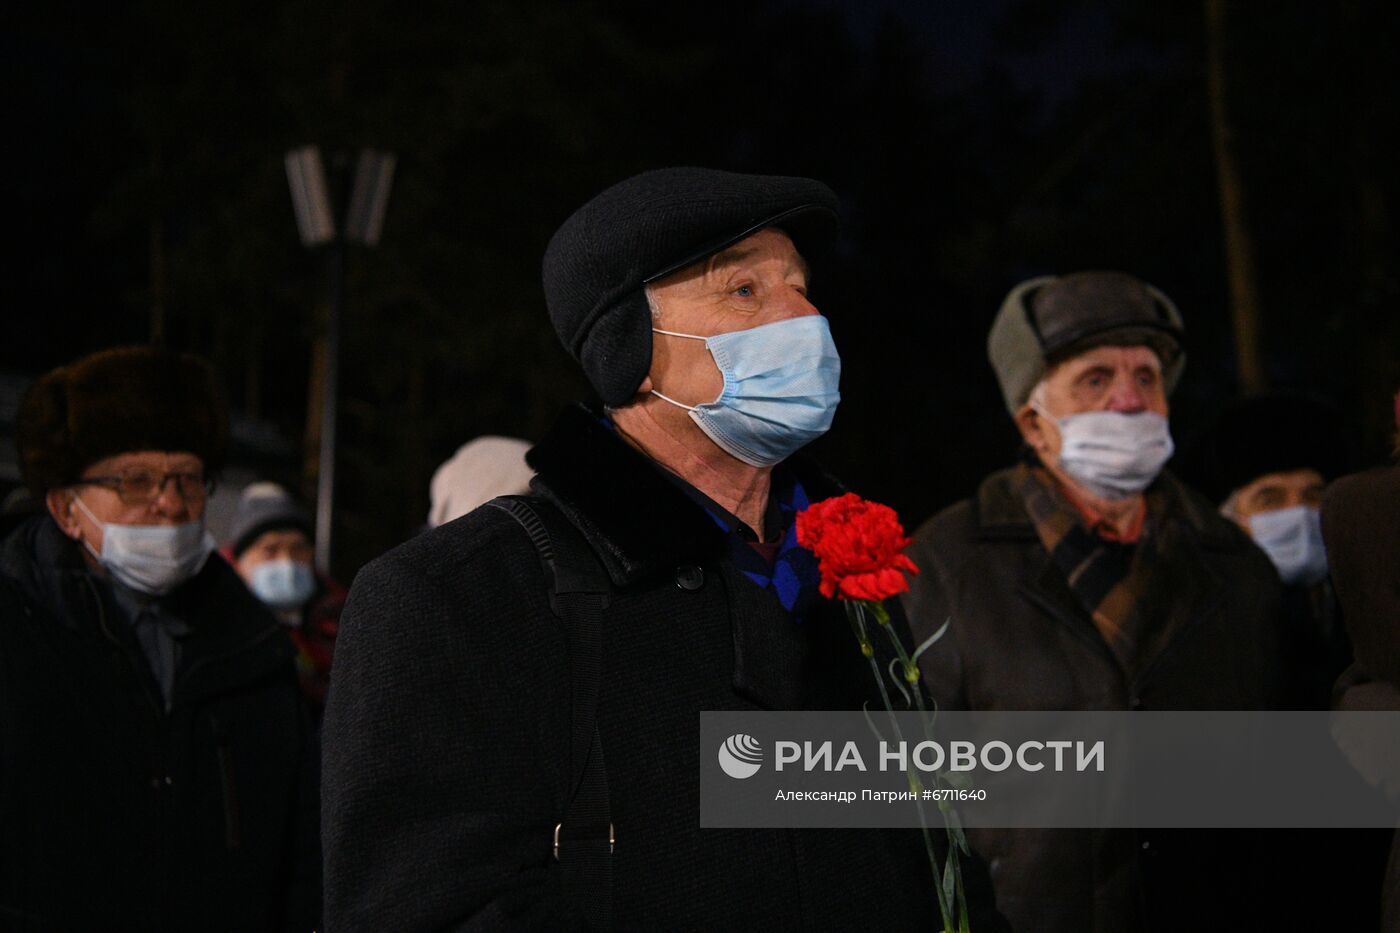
pixel 1122 379
pixel 279 544
pixel 1274 491
pixel 759 280
pixel 147 487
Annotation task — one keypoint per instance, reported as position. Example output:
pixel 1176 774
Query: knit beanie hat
pixel 1049 319
pixel 265 507
pixel 118 401
pixel 598 263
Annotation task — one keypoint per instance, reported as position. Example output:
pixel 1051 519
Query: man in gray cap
pixel 476 689
pixel 1086 578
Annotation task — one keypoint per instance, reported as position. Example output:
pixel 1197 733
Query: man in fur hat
pixel 452 773
pixel 156 768
pixel 1087 578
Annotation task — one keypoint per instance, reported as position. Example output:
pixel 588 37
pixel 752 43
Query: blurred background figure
pixel 271 546
pixel 479 471
pixel 1361 525
pixel 1266 461
pixel 1087 578
pixel 157 763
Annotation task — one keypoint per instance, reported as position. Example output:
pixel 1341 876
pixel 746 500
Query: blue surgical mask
pixel 1113 454
pixel 780 388
pixel 151 559
pixel 283 584
pixel 1292 538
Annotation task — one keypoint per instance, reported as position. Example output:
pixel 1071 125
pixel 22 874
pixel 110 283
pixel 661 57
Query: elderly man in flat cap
pixel 1086 578
pixel 477 694
pixel 157 767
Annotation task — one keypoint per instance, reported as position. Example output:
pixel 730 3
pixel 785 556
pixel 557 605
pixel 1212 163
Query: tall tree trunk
pixel 155 245
pixel 1239 245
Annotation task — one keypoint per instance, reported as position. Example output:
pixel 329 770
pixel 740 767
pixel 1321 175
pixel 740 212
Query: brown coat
pixel 1361 526
pixel 1020 640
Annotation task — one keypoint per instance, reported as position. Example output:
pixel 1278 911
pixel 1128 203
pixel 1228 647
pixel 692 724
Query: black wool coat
pixel 118 815
pixel 448 728
pixel 1019 639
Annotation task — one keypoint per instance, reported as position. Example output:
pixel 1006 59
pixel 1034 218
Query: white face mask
pixel 1112 454
pixel 152 559
pixel 1292 538
pixel 781 388
pixel 283 584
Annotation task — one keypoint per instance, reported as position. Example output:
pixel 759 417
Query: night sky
pixel 972 144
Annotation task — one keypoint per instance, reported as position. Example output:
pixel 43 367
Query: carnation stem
pixel 855 611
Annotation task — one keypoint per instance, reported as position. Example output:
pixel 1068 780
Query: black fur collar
pixel 635 517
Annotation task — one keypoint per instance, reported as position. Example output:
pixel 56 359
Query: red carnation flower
pixel 859 547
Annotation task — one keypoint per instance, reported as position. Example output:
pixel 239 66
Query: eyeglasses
pixel 143 488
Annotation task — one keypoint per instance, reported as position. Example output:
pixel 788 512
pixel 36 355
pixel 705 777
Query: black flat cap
pixel 639 230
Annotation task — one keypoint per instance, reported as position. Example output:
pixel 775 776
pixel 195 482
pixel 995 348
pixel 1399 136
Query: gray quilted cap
pixel 1049 319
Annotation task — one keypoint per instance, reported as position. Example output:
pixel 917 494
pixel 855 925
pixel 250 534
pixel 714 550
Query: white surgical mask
pixel 780 388
pixel 283 584
pixel 152 559
pixel 1113 454
pixel 1292 538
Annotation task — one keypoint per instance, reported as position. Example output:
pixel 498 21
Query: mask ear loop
pixel 673 333
pixel 93 518
pixel 1040 410
pixel 667 398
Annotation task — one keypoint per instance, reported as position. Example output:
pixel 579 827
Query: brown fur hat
pixel 116 401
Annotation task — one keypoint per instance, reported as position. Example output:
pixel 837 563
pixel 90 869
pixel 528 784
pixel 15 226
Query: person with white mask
pixel 157 765
pixel 1267 460
pixel 1087 577
pixel 270 544
pixel 463 671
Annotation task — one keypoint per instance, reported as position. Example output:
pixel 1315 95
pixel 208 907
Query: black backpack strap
pixel 579 592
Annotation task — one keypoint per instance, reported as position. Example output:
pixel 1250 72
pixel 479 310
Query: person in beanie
pixel 271 548
pixel 1266 462
pixel 683 294
pixel 156 764
pixel 1088 578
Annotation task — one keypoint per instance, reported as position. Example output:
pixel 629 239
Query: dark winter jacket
pixel 1361 525
pixel 116 815
pixel 1020 640
pixel 448 728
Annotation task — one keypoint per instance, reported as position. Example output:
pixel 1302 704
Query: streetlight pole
pixel 362 223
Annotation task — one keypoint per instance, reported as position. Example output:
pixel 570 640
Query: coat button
pixel 1136 702
pixel 690 578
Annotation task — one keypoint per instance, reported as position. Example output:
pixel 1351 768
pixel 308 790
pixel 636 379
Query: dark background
pixel 973 145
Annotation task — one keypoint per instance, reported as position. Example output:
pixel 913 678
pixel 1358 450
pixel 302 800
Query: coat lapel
pixel 1183 590
pixel 642 526
pixel 1002 516
pixel 637 520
